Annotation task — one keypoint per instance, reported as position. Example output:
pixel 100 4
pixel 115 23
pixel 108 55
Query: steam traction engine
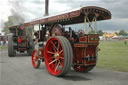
pixel 20 40
pixel 61 47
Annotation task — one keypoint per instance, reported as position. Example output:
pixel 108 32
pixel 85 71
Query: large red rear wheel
pixel 58 56
pixel 35 59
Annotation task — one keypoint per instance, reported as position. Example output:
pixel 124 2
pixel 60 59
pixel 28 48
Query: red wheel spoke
pixel 54 46
pixel 57 66
pixel 36 58
pixel 50 52
pixel 54 49
pixel 53 61
pixel 61 51
pixel 58 46
pixel 61 65
pixel 61 58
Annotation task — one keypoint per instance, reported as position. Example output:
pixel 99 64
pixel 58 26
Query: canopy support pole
pixel 95 24
pixel 39 31
pixel 85 30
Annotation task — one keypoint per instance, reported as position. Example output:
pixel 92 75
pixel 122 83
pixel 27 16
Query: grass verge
pixel 3 47
pixel 113 55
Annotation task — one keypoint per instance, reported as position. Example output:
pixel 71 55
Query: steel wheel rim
pixel 54 56
pixel 34 58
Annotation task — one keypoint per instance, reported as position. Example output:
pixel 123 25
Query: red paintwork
pixel 22 27
pixel 79 53
pixel 91 51
pixel 80 45
pixel 19 39
pixel 93 36
pixel 51 62
pixel 83 39
pixel 22 43
pixel 85 50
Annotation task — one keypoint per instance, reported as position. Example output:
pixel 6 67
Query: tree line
pixel 121 32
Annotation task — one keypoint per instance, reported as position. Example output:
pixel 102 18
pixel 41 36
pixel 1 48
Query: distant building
pixel 109 35
pixel 102 37
pixel 3 39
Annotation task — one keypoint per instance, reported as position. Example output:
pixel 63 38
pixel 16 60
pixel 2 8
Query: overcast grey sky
pixel 31 9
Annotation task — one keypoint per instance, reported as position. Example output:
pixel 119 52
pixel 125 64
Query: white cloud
pixel 4 9
pixel 4 12
pixel 57 7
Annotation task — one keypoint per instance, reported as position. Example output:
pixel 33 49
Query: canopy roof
pixel 72 17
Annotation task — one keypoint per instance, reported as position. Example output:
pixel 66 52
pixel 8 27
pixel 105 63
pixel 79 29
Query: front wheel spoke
pixel 57 66
pixel 52 61
pixel 36 58
pixel 36 54
pixel 35 61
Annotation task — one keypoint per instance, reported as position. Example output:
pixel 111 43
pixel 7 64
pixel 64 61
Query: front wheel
pixel 35 59
pixel 58 56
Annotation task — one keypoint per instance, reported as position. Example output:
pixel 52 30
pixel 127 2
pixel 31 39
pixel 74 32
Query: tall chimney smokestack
pixel 46 7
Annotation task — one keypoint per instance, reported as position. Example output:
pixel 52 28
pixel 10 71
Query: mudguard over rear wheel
pixel 58 55
pixel 11 51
